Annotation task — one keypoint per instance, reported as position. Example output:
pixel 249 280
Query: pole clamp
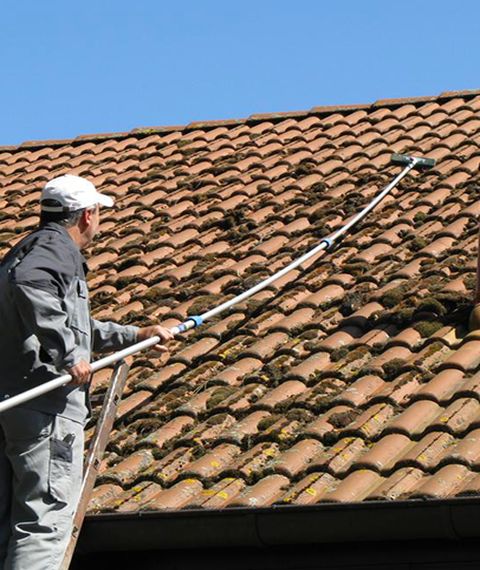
pixel 197 319
pixel 328 241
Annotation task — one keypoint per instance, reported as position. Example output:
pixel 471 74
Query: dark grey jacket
pixel 46 326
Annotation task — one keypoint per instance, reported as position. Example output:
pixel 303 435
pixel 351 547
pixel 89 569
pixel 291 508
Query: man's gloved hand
pixel 81 373
pixel 474 321
pixel 155 330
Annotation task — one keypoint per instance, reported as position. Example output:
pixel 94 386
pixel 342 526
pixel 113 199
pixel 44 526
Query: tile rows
pixel 351 378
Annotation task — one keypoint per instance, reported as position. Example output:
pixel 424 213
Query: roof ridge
pixel 255 118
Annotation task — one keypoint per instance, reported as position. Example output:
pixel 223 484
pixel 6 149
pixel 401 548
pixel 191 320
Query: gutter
pixel 452 520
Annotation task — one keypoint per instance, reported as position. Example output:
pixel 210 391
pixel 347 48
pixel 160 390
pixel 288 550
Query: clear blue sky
pixel 71 68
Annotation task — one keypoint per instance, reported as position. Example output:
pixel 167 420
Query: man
pixel 47 331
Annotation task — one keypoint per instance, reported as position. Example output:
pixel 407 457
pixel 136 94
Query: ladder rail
pixel 95 453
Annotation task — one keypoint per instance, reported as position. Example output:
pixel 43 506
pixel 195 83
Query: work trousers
pixel 41 458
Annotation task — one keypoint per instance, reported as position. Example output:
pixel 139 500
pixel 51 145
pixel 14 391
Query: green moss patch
pixel 327 390
pixel 155 294
pixel 470 281
pixel 278 368
pixel 427 328
pixel 343 419
pixel 102 298
pixel 431 305
pixel 393 368
pixel 419 218
pixel 357 354
pixel 219 396
pixel 354 300
pixel 299 415
pixel 303 169
pixel 203 304
pixel 339 353
pixel 395 296
pixel 353 203
pixel 358 268
pixel 417 243
pixel 268 422
pixel 218 419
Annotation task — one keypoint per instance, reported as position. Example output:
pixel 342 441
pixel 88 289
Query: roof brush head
pixel 418 162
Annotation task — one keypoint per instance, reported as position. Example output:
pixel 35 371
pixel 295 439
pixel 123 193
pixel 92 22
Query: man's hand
pixel 81 373
pixel 155 330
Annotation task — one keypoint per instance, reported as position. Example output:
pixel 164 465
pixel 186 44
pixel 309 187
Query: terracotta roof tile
pixel 171 430
pixel 130 500
pixel 356 487
pixel 353 377
pixel 309 489
pixel 338 458
pixel 465 451
pixel 399 485
pixel 213 462
pixel 220 495
pixel 244 429
pixel 385 453
pixel 428 452
pixel 442 484
pixel 416 418
pixel 104 497
pixel 264 493
pixel 175 497
pixel 280 394
pixel 129 468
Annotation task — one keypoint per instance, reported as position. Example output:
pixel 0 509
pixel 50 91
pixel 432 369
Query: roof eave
pixel 455 519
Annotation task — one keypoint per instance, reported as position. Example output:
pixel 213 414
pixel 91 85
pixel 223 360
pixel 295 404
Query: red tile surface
pixel 353 378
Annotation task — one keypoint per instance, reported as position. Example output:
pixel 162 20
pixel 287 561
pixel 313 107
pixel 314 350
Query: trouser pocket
pixel 60 465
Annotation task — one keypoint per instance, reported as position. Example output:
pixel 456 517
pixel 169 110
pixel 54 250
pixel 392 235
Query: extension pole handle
pixel 66 378
pixel 195 321
pixel 97 365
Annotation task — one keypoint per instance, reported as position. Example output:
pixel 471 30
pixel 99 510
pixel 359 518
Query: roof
pixel 353 379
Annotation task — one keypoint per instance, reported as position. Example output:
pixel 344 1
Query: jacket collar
pixel 61 230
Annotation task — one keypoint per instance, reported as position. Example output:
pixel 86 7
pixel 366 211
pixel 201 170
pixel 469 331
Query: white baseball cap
pixel 68 193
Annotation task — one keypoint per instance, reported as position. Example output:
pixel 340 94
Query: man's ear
pixel 85 219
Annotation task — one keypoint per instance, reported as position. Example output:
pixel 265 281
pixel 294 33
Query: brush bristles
pixel 405 160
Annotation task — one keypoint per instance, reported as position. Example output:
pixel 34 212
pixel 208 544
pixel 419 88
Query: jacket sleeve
pixel 109 336
pixel 42 314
